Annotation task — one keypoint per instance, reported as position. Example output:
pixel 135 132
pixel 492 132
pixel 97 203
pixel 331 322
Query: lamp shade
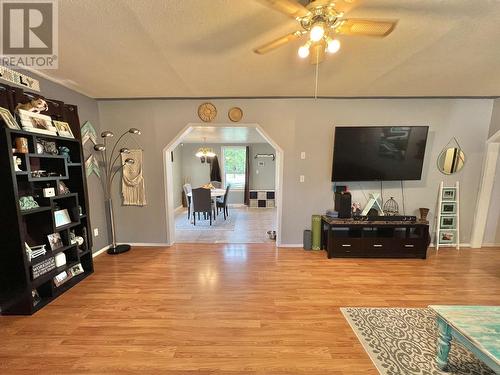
pixel 107 134
pixel 100 147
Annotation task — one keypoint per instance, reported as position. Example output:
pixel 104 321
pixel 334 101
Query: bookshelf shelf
pixel 32 227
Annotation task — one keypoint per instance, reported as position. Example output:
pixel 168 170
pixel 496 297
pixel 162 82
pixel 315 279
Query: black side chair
pixel 223 204
pixel 202 203
pixel 187 189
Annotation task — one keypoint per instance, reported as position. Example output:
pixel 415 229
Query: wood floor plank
pixel 233 309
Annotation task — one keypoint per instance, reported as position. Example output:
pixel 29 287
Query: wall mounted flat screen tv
pixel 379 153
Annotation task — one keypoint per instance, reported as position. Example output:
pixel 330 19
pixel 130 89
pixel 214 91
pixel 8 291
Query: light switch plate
pixel 302 155
pixel 302 178
pixel 96 232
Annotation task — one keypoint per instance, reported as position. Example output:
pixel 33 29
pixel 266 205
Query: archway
pixel 168 175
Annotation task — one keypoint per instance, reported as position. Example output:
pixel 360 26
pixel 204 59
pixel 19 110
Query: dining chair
pixel 202 203
pixel 216 184
pixel 223 204
pixel 187 189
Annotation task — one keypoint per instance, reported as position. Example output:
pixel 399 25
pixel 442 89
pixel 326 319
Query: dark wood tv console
pixel 347 238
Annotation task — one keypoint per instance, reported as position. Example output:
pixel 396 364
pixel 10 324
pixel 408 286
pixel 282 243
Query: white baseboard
pixel 293 245
pixel 99 252
pixel 450 245
pixel 236 205
pixel 149 244
pixel 489 244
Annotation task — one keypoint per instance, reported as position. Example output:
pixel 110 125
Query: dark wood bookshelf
pixel 33 226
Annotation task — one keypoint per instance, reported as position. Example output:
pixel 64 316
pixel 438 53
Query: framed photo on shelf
pixel 448 208
pixel 8 119
pixel 62 189
pixel 449 194
pixel 63 129
pixel 447 236
pixel 55 241
pixel 76 270
pixel 448 222
pixel 61 217
pixel 36 123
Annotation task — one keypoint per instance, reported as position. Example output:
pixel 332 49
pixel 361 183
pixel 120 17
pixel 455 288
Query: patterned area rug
pixel 182 223
pixel 403 342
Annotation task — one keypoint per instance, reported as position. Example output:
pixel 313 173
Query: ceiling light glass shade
pixel 129 161
pixel 124 151
pixel 134 131
pixel 107 134
pixel 205 152
pixel 303 51
pixel 317 32
pixel 333 46
pixel 100 147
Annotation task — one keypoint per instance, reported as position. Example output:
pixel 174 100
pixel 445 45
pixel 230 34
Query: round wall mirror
pixel 451 160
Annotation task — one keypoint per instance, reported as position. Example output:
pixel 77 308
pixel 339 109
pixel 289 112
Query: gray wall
pixel 307 125
pixel 87 111
pixel 198 174
pixel 262 178
pixel 492 230
pixel 495 118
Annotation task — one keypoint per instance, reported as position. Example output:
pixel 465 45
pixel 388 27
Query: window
pixel 234 159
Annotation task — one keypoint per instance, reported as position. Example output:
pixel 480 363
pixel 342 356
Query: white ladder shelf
pixel 448 216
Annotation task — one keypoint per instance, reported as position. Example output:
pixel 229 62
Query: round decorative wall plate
pixel 207 112
pixel 235 114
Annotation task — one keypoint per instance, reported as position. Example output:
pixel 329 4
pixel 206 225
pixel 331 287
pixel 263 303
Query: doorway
pixel 245 223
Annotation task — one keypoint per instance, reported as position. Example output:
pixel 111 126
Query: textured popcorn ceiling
pixel 203 48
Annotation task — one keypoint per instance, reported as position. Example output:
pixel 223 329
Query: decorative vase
pixel 423 213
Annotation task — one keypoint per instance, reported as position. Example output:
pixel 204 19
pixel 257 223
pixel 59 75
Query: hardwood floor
pixel 232 309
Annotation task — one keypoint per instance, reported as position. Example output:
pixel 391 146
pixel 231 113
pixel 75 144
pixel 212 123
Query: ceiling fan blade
pixel 345 6
pixel 268 47
pixel 289 7
pixel 367 27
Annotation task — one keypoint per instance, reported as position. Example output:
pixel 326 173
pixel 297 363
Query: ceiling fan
pixel 323 20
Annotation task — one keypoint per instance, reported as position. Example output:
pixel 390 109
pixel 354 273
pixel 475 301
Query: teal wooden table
pixel 475 327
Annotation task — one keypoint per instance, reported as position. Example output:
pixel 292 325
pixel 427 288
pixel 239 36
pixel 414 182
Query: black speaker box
pixel 343 204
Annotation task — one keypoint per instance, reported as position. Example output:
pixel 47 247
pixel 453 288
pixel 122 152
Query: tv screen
pixel 381 153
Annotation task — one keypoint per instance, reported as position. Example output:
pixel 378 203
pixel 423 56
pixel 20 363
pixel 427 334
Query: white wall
pixel 492 230
pixel 178 177
pixel 307 125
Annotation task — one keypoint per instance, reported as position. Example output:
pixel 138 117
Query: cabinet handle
pixel 346 245
pixel 409 245
pixel 377 245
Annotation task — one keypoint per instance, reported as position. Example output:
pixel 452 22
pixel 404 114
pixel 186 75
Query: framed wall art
pixel 449 194
pixel 448 222
pixel 448 208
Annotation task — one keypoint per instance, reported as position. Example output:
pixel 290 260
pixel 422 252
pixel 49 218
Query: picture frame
pixel 448 222
pixel 61 217
pixel 55 241
pixel 449 194
pixel 62 189
pixel 36 123
pixel 447 236
pixel 448 208
pixel 76 270
pixel 8 119
pixel 63 129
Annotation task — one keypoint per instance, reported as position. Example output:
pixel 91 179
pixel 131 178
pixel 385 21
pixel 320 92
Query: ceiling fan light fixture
pixel 317 32
pixel 303 51
pixel 333 46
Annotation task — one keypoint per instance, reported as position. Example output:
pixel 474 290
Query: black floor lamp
pixel 110 168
